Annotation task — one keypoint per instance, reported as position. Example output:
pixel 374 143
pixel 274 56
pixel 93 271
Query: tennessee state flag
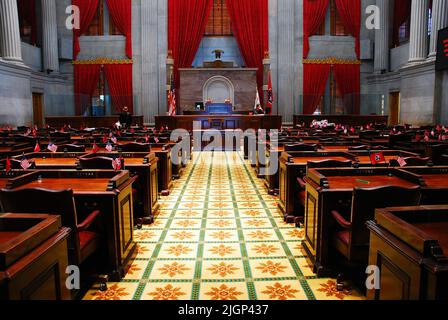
pixel 376 158
pixel 37 147
pixel 270 101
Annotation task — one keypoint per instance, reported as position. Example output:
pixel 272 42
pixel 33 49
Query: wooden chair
pixel 72 148
pixel 135 147
pixel 351 236
pixel 83 241
pixel 301 183
pixel 98 163
pixel 411 162
pixel 300 147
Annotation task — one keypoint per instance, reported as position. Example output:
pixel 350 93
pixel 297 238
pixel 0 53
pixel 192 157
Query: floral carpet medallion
pixel 220 236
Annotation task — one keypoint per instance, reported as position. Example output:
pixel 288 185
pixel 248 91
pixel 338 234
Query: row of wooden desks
pixel 409 246
pixel 105 190
pixel 293 165
pixel 331 189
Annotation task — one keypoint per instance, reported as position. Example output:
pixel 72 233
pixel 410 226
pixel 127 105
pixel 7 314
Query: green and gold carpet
pixel 220 236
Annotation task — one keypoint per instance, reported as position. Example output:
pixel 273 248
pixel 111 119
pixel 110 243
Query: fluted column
pixel 50 36
pixel 439 21
pixel 418 46
pixel 382 37
pixel 11 49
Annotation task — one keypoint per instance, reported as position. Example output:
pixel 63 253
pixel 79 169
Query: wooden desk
pixel 104 190
pixel 293 165
pixel 223 122
pixel 332 189
pixel 434 182
pixel 14 148
pixel 410 245
pixel 347 120
pixel 57 160
pixel 165 169
pixel 363 157
pixel 6 176
pixel 33 257
pixel 88 122
pixel 144 167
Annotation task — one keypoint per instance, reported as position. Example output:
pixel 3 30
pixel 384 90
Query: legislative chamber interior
pixel 201 150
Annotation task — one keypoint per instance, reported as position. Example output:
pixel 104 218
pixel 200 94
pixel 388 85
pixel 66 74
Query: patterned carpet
pixel 220 236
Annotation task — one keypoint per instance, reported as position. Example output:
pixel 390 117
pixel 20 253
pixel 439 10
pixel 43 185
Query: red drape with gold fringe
pixel 250 27
pixel 121 13
pixel 86 80
pixel 347 77
pixel 187 20
pixel 314 12
pixel 350 13
pixel 315 77
pixel 119 80
pixel 87 10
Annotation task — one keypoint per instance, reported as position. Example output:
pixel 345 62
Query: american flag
pixel 402 162
pixel 172 99
pixel 116 164
pixel 25 164
pixel 109 147
pixel 52 147
pixel 114 140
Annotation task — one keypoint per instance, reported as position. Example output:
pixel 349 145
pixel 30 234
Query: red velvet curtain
pixel 187 20
pixel 86 80
pixel 250 27
pixel 314 12
pixel 347 77
pixel 402 11
pixel 350 13
pixel 121 13
pixel 27 12
pixel 315 77
pixel 119 79
pixel 87 10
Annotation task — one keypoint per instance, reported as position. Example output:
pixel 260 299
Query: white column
pixel 418 46
pixel 10 34
pixel 439 21
pixel 50 36
pixel 382 38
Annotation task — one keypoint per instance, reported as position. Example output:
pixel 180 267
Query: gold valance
pixel 331 60
pixel 104 61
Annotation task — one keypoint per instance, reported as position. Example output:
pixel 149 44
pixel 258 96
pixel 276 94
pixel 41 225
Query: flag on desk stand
pixel 402 162
pixel 116 164
pixel 172 99
pixel 25 164
pixel 109 147
pixel 95 148
pixel 37 147
pixel 377 157
pixel 8 165
pixel 114 140
pixel 52 147
pixel 270 102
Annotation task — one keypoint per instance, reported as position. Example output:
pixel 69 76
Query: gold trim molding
pixel 104 61
pixel 331 60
